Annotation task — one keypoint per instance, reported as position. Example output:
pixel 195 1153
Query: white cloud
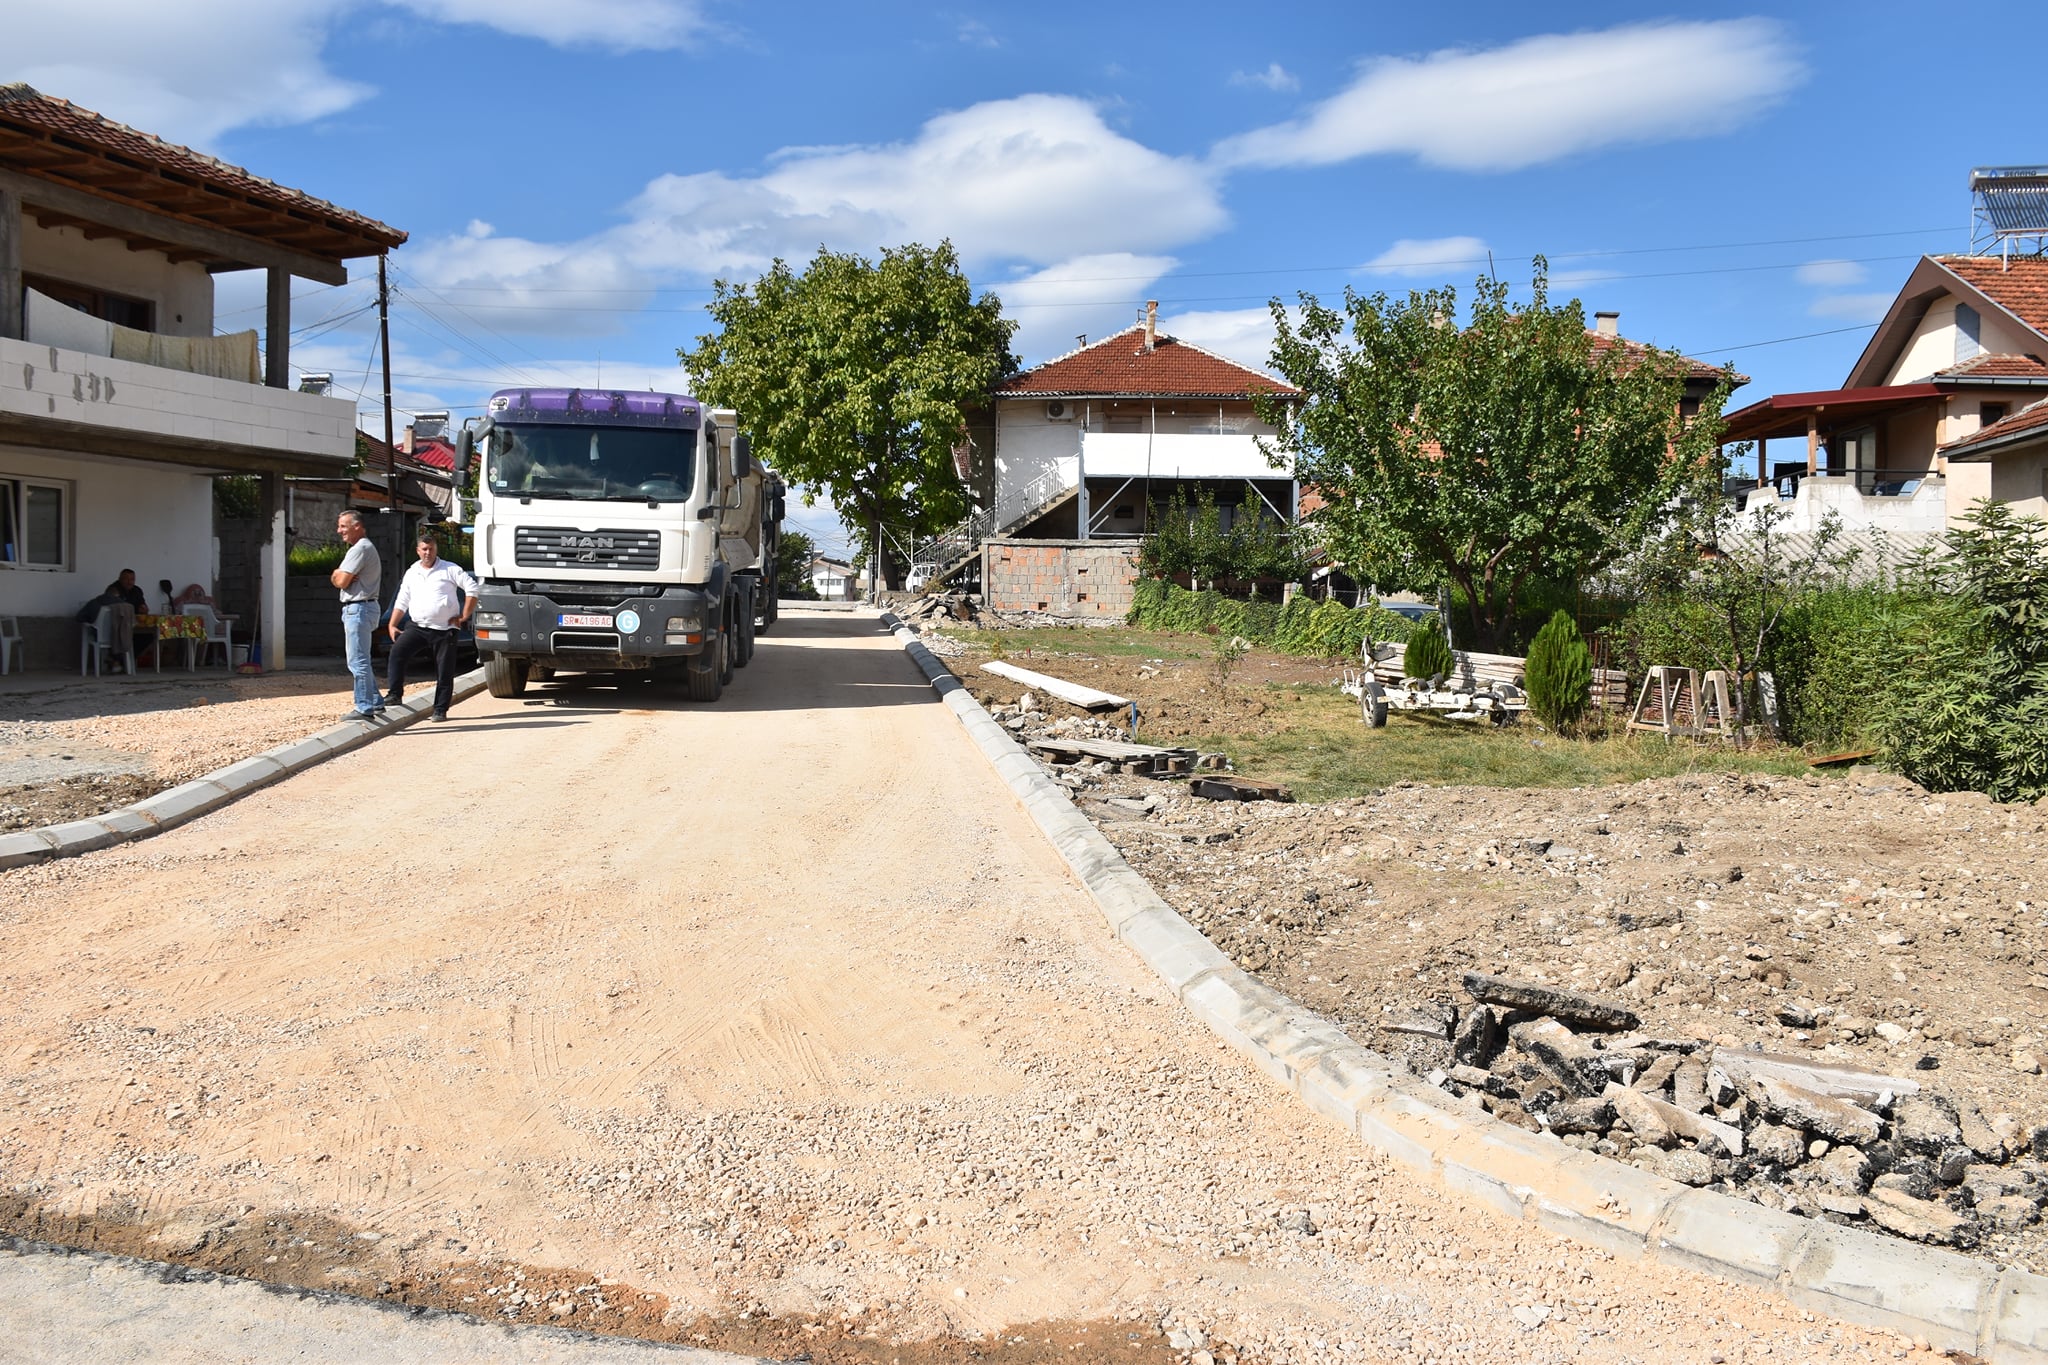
pixel 1275 77
pixel 974 33
pixel 1241 334
pixel 1854 307
pixel 1435 256
pixel 186 72
pixel 1037 180
pixel 1090 294
pixel 191 71
pixel 1831 274
pixel 1540 98
pixel 615 25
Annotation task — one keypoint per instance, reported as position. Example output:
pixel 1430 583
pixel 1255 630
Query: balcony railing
pixel 1871 483
pixel 50 323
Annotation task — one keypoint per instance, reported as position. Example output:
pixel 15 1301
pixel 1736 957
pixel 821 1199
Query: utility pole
pixel 384 345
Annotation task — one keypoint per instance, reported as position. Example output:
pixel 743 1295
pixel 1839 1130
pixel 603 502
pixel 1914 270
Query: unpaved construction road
pixel 773 1025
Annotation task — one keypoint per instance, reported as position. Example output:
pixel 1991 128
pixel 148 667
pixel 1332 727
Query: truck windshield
pixel 592 464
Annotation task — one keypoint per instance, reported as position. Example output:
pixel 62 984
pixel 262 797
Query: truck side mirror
pixel 465 456
pixel 742 455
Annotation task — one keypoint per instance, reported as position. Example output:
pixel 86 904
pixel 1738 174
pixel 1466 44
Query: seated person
pixel 124 599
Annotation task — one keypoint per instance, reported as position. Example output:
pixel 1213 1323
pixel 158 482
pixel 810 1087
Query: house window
pixel 1987 413
pixel 35 522
pixel 1969 330
pixel 118 309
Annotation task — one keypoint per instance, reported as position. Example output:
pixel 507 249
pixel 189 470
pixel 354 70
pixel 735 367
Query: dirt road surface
pixel 773 1026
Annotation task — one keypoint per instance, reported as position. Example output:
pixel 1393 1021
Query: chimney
pixel 1151 324
pixel 1607 324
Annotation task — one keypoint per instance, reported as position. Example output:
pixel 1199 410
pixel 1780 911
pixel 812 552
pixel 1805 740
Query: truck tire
pixel 706 674
pixel 504 676
pixel 743 653
pixel 728 647
pixel 770 610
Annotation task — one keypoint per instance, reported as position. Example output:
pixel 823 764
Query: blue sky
pixel 1741 183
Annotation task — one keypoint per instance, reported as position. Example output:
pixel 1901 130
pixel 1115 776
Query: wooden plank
pixel 1112 749
pixel 1075 694
pixel 157 227
pixel 1853 756
pixel 1237 789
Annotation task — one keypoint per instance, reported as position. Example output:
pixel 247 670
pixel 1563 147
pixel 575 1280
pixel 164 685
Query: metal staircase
pixel 954 549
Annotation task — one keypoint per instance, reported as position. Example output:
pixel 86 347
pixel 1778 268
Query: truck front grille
pixel 560 547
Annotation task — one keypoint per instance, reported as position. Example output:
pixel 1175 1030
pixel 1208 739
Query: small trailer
pixel 1454 697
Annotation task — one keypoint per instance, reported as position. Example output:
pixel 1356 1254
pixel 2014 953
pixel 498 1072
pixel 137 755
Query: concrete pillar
pixel 1812 444
pixel 270 572
pixel 11 320
pixel 277 329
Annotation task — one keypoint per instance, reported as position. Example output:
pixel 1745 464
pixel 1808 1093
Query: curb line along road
pixel 1956 1302
pixel 169 809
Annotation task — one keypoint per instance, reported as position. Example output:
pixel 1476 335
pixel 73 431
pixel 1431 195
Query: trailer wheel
pixel 504 676
pixel 706 674
pixel 1372 703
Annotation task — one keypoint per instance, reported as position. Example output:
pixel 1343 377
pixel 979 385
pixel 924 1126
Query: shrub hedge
pixel 1307 626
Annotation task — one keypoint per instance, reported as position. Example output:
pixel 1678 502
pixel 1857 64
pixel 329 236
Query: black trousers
pixel 413 637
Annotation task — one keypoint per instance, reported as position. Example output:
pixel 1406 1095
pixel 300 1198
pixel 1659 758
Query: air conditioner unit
pixel 1059 410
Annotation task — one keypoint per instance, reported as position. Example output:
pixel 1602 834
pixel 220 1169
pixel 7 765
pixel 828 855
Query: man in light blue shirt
pixel 434 602
pixel 359 577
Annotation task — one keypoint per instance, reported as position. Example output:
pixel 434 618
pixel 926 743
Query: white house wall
pixel 1122 455
pixel 154 519
pixel 183 293
pixel 1933 345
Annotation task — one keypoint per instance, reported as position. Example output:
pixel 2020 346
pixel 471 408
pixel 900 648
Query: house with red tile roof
pixel 2009 457
pixel 1088 449
pixel 1963 346
pixel 119 402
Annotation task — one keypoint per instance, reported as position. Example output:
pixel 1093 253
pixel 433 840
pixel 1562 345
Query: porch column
pixel 270 568
pixel 11 320
pixel 1812 444
pixel 277 330
pixel 1763 467
pixel 1081 475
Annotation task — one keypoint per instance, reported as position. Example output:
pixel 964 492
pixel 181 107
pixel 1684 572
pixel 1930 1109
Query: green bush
pixel 310 560
pixel 1559 672
pixel 1827 649
pixel 1429 654
pixel 1307 626
pixel 1965 705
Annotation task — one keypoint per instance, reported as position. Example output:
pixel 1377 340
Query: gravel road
pixel 773 1026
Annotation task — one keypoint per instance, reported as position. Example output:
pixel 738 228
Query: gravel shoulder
pixel 773 1026
pixel 1853 921
pixel 77 747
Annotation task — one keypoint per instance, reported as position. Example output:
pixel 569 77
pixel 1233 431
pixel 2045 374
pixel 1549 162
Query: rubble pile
pixel 1062 746
pixel 1788 1132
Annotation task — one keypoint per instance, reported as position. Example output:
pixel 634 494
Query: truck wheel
pixel 743 652
pixel 770 611
pixel 728 648
pixel 706 674
pixel 504 676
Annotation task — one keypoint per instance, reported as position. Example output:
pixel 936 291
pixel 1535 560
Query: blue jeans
pixel 358 619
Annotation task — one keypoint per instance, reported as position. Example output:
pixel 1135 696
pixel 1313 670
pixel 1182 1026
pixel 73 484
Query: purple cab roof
pixel 596 406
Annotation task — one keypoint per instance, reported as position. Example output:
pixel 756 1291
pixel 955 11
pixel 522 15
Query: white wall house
pixel 1962 347
pixel 119 402
pixel 833 579
pixel 1094 444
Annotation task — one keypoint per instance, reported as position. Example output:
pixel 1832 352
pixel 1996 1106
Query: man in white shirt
pixel 434 602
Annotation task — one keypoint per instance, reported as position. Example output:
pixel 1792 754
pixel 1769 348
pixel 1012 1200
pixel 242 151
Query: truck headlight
pixel 685 625
pixel 489 620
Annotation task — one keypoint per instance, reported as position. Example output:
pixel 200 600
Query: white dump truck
pixel 619 532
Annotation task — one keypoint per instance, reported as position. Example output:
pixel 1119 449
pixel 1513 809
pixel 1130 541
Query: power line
pixel 1779 341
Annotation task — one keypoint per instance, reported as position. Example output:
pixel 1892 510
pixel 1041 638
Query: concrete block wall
pixel 1091 578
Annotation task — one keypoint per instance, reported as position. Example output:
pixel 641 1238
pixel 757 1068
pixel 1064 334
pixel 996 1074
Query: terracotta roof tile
pixel 1993 366
pixel 1694 369
pixel 2020 285
pixel 1119 366
pixel 2032 418
pixel 31 112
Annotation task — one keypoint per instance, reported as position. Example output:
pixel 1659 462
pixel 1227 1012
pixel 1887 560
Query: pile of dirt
pixel 1862 923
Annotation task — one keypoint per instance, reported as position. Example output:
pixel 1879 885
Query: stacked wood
pixel 1137 760
pixel 1474 670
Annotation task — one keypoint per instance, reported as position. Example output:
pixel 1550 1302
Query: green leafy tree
pixel 1486 455
pixel 1559 672
pixel 793 565
pixel 853 376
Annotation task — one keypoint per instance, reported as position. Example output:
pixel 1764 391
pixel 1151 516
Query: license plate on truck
pixel 584 620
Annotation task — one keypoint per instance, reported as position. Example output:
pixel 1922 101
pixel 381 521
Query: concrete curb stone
pixel 1877 1281
pixel 173 807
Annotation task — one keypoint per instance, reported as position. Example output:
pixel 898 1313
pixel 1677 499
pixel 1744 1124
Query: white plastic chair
pixel 217 633
pixel 98 639
pixel 10 643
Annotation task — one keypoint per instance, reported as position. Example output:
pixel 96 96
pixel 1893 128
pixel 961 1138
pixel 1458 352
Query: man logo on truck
pixel 573 542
